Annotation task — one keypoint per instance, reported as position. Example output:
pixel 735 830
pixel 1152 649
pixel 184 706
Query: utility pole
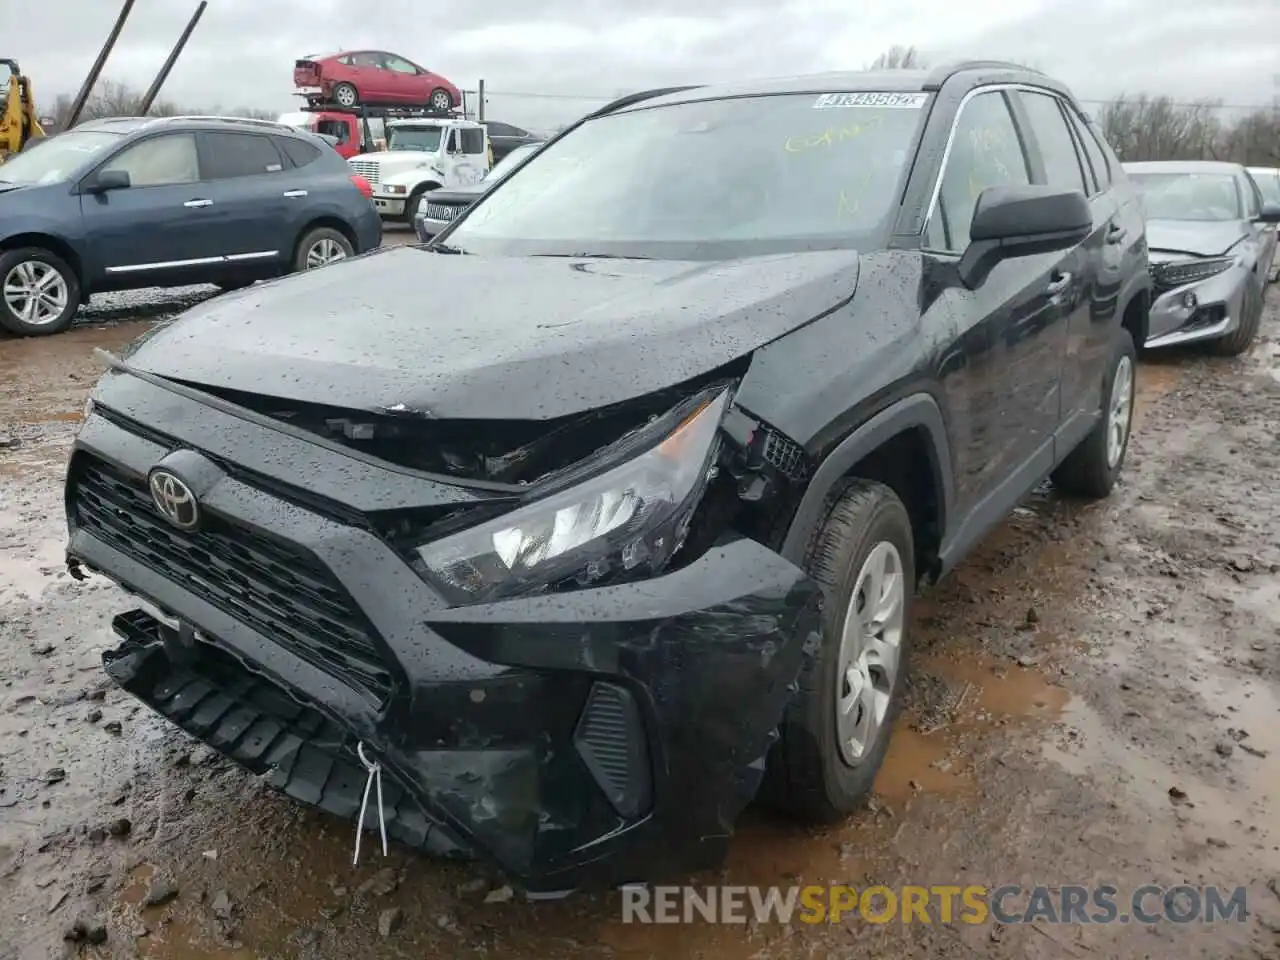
pixel 480 108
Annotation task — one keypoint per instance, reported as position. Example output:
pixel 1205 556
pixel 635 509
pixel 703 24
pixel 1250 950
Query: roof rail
pixel 249 120
pixel 633 98
pixel 941 74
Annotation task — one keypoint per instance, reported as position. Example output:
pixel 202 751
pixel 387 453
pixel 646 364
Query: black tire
pixel 1089 471
pixel 806 776
pixel 411 205
pixel 346 95
pixel 11 261
pixel 441 100
pixel 314 237
pixel 1240 339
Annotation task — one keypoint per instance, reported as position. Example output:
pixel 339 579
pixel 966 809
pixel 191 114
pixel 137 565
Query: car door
pixel 1000 393
pixel 250 195
pixel 369 75
pixel 156 231
pixel 407 83
pixel 467 160
pixel 1088 299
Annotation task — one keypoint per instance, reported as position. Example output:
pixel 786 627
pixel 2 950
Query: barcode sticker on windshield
pixel 901 101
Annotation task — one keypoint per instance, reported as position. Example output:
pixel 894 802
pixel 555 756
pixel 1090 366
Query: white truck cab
pixel 421 155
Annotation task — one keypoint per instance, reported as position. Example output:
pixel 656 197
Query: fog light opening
pixel 1189 300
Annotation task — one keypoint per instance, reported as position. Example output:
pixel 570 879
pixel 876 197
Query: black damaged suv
pixel 628 534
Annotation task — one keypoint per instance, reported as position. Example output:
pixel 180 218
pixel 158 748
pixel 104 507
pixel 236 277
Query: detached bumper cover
pixel 577 740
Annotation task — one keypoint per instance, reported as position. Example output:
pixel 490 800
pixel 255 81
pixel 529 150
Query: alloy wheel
pixel 870 652
pixel 324 250
pixel 1118 410
pixel 36 293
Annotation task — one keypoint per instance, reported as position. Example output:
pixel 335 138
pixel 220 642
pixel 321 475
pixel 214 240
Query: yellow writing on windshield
pixel 828 137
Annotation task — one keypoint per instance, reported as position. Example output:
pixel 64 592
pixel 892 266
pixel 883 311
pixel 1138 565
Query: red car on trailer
pixel 372 77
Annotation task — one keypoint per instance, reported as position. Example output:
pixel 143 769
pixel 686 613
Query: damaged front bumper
pixel 578 740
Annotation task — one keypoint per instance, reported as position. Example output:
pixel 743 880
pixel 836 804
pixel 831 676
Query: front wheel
pixel 1091 469
pixel 835 733
pixel 1246 331
pixel 39 292
pixel 319 247
pixel 441 100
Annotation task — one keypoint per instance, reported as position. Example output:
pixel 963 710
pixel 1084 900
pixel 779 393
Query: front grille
pixel 279 590
pixel 369 169
pixel 442 211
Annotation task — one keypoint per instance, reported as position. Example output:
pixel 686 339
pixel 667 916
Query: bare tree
pixel 898 57
pixel 112 99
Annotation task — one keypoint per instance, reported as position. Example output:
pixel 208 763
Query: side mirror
pixel 1270 213
pixel 109 180
pixel 1018 221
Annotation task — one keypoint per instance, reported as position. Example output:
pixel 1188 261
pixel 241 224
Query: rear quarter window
pixel 299 152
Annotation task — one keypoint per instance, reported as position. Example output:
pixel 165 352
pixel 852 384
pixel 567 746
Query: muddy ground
pixel 1096 700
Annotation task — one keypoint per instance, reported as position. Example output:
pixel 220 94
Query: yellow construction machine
pixel 19 124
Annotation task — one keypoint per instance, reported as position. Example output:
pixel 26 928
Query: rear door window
pixel 1097 159
pixel 1057 146
pixel 230 155
pixel 299 152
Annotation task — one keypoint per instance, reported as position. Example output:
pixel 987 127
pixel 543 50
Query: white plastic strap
pixel 374 770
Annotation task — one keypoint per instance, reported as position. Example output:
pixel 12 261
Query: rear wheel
pixel 835 733
pixel 1090 470
pixel 319 247
pixel 39 292
pixel 1240 339
pixel 345 95
pixel 441 100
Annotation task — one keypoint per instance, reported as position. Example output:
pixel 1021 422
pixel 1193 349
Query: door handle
pixel 198 203
pixel 295 193
pixel 1116 234
pixel 1058 284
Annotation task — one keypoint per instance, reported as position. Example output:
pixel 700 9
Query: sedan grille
pixel 369 169
pixel 443 211
pixel 278 589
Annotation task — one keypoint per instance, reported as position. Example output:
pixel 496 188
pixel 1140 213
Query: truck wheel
pixel 836 730
pixel 1090 470
pixel 321 246
pixel 411 205
pixel 39 293
pixel 1240 339
pixel 345 95
pixel 441 100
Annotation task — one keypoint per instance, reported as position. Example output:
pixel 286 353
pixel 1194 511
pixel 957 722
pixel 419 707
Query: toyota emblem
pixel 174 499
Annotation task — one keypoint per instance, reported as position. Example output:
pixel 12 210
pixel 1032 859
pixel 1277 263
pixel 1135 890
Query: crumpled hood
pixel 1197 238
pixel 463 336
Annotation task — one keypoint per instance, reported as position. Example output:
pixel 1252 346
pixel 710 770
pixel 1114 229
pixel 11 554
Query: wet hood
pixel 1197 238
pixel 462 336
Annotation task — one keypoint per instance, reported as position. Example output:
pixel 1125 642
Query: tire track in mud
pixel 1081 662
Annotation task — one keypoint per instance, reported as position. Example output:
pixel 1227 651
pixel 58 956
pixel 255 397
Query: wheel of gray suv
pixel 345 95
pixel 836 730
pixel 39 293
pixel 1090 470
pixel 319 247
pixel 441 100
pixel 1240 339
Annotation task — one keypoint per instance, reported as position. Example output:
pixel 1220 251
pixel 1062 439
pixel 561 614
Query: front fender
pixel 916 411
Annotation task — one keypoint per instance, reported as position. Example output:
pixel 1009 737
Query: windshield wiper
pixel 593 256
pixel 445 248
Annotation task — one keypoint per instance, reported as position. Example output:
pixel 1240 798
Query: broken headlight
pixel 628 519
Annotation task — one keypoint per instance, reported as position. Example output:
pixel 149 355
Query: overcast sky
pixel 243 50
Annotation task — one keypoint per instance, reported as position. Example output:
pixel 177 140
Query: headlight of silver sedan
pixel 1178 273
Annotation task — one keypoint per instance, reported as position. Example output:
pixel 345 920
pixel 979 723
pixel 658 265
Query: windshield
pixel 1199 197
pixel 414 138
pixel 708 180
pixel 1268 182
pixel 512 160
pixel 57 158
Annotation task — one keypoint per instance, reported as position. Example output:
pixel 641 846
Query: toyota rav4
pixel 629 534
